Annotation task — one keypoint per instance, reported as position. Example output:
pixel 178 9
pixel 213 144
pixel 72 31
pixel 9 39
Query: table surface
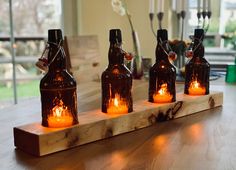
pixel 205 140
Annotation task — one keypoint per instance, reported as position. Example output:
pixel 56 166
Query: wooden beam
pixel 95 125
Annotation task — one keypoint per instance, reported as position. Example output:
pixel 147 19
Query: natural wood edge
pixel 94 125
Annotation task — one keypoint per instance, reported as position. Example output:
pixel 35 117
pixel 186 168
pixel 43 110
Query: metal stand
pixel 160 16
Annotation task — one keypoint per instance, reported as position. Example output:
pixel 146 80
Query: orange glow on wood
pixel 162 95
pixel 117 105
pixel 195 132
pixel 196 89
pixel 160 142
pixel 60 117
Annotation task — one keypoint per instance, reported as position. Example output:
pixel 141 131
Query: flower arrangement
pixel 120 7
pixel 178 46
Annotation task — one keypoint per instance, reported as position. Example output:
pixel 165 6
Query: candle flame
pixel 162 95
pixel 59 110
pixel 60 116
pixel 163 89
pixel 117 105
pixel 195 84
pixel 195 88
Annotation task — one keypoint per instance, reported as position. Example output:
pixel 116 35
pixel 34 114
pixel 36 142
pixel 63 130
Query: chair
pixel 83 58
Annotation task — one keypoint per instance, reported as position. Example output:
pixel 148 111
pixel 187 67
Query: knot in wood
pixel 109 133
pixel 177 107
pixel 152 119
pixel 211 102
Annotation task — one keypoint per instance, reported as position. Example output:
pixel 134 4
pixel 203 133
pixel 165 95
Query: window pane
pixel 6 90
pixel 35 17
pixel 31 20
pixel 32 24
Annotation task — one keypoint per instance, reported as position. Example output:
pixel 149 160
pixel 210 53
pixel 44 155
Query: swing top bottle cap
pixel 199 33
pixel 55 35
pixel 115 36
pixel 162 34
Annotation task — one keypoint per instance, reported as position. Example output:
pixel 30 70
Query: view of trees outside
pixel 31 18
pixel 230 28
pixel 227 28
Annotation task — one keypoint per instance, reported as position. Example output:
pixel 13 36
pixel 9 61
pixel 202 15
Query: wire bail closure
pixel 42 63
pixel 189 53
pixel 170 53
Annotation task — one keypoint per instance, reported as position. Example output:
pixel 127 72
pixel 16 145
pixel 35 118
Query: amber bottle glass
pixel 162 74
pixel 58 87
pixel 116 79
pixel 197 69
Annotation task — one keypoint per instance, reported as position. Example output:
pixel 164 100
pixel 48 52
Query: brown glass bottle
pixel 58 87
pixel 197 69
pixel 116 79
pixel 162 74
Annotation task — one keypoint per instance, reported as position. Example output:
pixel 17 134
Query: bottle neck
pixel 199 49
pixel 161 53
pixel 56 58
pixel 115 54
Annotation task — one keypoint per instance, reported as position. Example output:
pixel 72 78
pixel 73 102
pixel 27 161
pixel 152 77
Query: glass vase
pixel 137 63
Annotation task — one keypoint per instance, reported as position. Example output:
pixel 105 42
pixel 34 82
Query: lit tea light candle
pixel 196 89
pixel 60 117
pixel 162 95
pixel 117 105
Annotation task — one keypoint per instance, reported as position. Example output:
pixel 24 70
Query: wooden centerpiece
pixel 96 125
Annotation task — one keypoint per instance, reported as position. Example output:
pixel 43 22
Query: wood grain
pixel 84 57
pixel 95 125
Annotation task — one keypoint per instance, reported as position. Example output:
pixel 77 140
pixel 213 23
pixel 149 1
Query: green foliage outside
pixel 27 89
pixel 32 18
pixel 213 28
pixel 209 42
pixel 230 31
pixel 229 37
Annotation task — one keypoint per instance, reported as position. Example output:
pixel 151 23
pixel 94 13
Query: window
pixel 220 39
pixel 31 20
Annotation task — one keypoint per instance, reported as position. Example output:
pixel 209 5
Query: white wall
pixel 97 17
